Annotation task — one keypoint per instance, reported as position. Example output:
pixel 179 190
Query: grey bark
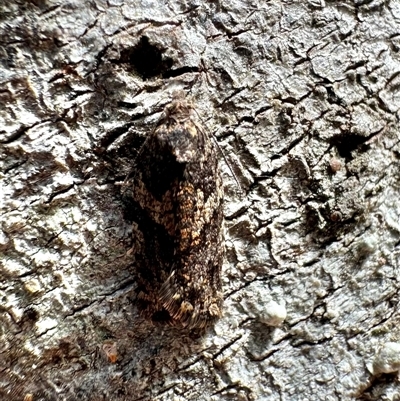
pixel 303 98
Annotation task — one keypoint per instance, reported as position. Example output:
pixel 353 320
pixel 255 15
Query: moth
pixel 177 200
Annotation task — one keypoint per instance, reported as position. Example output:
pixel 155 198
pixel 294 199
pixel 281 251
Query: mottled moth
pixel 177 201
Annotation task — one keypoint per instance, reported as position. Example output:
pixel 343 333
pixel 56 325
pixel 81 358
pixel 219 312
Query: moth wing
pixel 171 300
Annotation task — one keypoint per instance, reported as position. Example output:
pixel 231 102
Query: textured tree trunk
pixel 303 99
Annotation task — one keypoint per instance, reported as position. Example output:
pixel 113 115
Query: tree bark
pixel 303 99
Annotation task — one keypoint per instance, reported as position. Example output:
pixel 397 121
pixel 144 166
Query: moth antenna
pixel 125 183
pixel 141 150
pixel 222 154
pixel 226 161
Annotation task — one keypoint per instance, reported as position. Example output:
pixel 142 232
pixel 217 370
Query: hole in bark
pixel 31 314
pixel 345 144
pixel 377 385
pixel 146 59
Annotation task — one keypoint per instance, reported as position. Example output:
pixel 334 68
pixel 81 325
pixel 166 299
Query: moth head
pixel 181 141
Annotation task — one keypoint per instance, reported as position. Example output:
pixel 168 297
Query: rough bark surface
pixel 303 98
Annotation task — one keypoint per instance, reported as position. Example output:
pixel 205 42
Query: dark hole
pixel 31 314
pixel 146 59
pixel 345 144
pixel 377 383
